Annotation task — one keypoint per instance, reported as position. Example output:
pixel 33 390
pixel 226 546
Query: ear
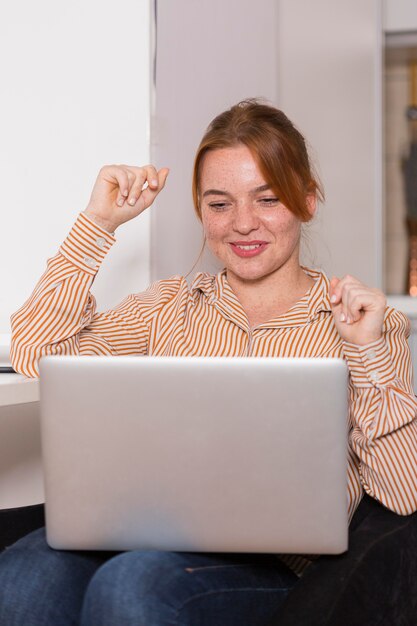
pixel 312 204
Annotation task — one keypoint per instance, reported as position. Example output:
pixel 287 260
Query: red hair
pixel 277 146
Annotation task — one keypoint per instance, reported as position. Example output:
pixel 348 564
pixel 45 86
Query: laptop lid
pixel 195 454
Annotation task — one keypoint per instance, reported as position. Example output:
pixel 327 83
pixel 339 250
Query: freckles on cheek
pixel 283 225
pixel 212 228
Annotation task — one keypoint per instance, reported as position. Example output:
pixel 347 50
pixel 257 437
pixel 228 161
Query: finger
pixel 124 191
pixel 114 174
pixel 363 300
pixel 138 176
pixel 152 176
pixel 336 298
pixel 149 194
pixel 151 179
pixel 347 292
pixel 353 299
pixel 357 299
pixel 162 176
pixel 343 294
pixel 334 292
pixel 144 177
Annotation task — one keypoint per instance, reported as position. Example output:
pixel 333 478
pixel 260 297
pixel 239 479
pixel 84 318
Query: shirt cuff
pixel 370 365
pixel 87 245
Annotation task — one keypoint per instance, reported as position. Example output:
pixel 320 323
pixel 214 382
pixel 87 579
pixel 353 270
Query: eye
pixel 269 201
pixel 218 206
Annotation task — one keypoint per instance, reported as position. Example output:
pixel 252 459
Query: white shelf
pixel 406 304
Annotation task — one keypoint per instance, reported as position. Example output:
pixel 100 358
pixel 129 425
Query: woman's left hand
pixel 358 310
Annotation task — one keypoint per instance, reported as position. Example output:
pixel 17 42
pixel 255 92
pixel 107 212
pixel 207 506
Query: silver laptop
pixel 195 454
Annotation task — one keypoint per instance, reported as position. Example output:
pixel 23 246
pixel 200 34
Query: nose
pixel 245 218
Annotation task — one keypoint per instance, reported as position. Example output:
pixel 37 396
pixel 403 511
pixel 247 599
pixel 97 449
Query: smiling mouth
pixel 248 249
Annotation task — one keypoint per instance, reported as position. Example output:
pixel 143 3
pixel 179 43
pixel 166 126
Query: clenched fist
pixel 358 310
pixel 122 192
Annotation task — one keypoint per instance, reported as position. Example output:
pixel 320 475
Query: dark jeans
pixel 44 587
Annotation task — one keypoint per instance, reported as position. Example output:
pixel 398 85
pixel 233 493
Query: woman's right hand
pixel 119 195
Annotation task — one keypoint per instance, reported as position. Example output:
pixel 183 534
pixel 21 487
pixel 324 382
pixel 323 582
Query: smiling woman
pixel 255 236
pixel 252 175
pixel 253 188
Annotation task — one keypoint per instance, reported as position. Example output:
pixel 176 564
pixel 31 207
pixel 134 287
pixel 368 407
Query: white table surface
pixel 17 389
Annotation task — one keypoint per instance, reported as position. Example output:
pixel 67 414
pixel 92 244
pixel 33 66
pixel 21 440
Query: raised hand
pixel 357 309
pixel 122 192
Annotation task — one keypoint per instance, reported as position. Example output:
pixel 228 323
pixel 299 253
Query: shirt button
pixel 101 242
pixel 375 376
pixel 371 354
pixel 90 262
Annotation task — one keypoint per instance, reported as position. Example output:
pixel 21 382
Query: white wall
pixel 75 95
pixel 217 53
pixel 400 15
pixel 330 85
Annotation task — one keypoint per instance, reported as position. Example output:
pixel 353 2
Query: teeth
pixel 257 245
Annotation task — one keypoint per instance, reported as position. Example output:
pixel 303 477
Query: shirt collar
pixel 218 292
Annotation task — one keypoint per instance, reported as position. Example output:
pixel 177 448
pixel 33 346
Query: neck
pixel 271 296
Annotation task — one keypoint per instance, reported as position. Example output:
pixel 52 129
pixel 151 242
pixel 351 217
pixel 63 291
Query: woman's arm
pixel 383 406
pixel 60 317
pixel 383 414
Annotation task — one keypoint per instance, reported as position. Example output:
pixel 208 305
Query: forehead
pixel 226 167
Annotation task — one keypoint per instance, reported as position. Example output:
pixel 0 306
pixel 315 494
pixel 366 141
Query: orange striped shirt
pixel 206 319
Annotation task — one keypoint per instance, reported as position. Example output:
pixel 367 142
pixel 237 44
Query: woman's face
pixel 246 226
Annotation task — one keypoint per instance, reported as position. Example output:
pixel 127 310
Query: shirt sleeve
pixel 60 316
pixel 383 415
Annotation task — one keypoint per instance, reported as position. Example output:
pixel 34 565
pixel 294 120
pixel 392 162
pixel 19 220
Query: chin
pixel 248 276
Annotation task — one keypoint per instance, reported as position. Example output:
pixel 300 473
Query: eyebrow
pixel 219 192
